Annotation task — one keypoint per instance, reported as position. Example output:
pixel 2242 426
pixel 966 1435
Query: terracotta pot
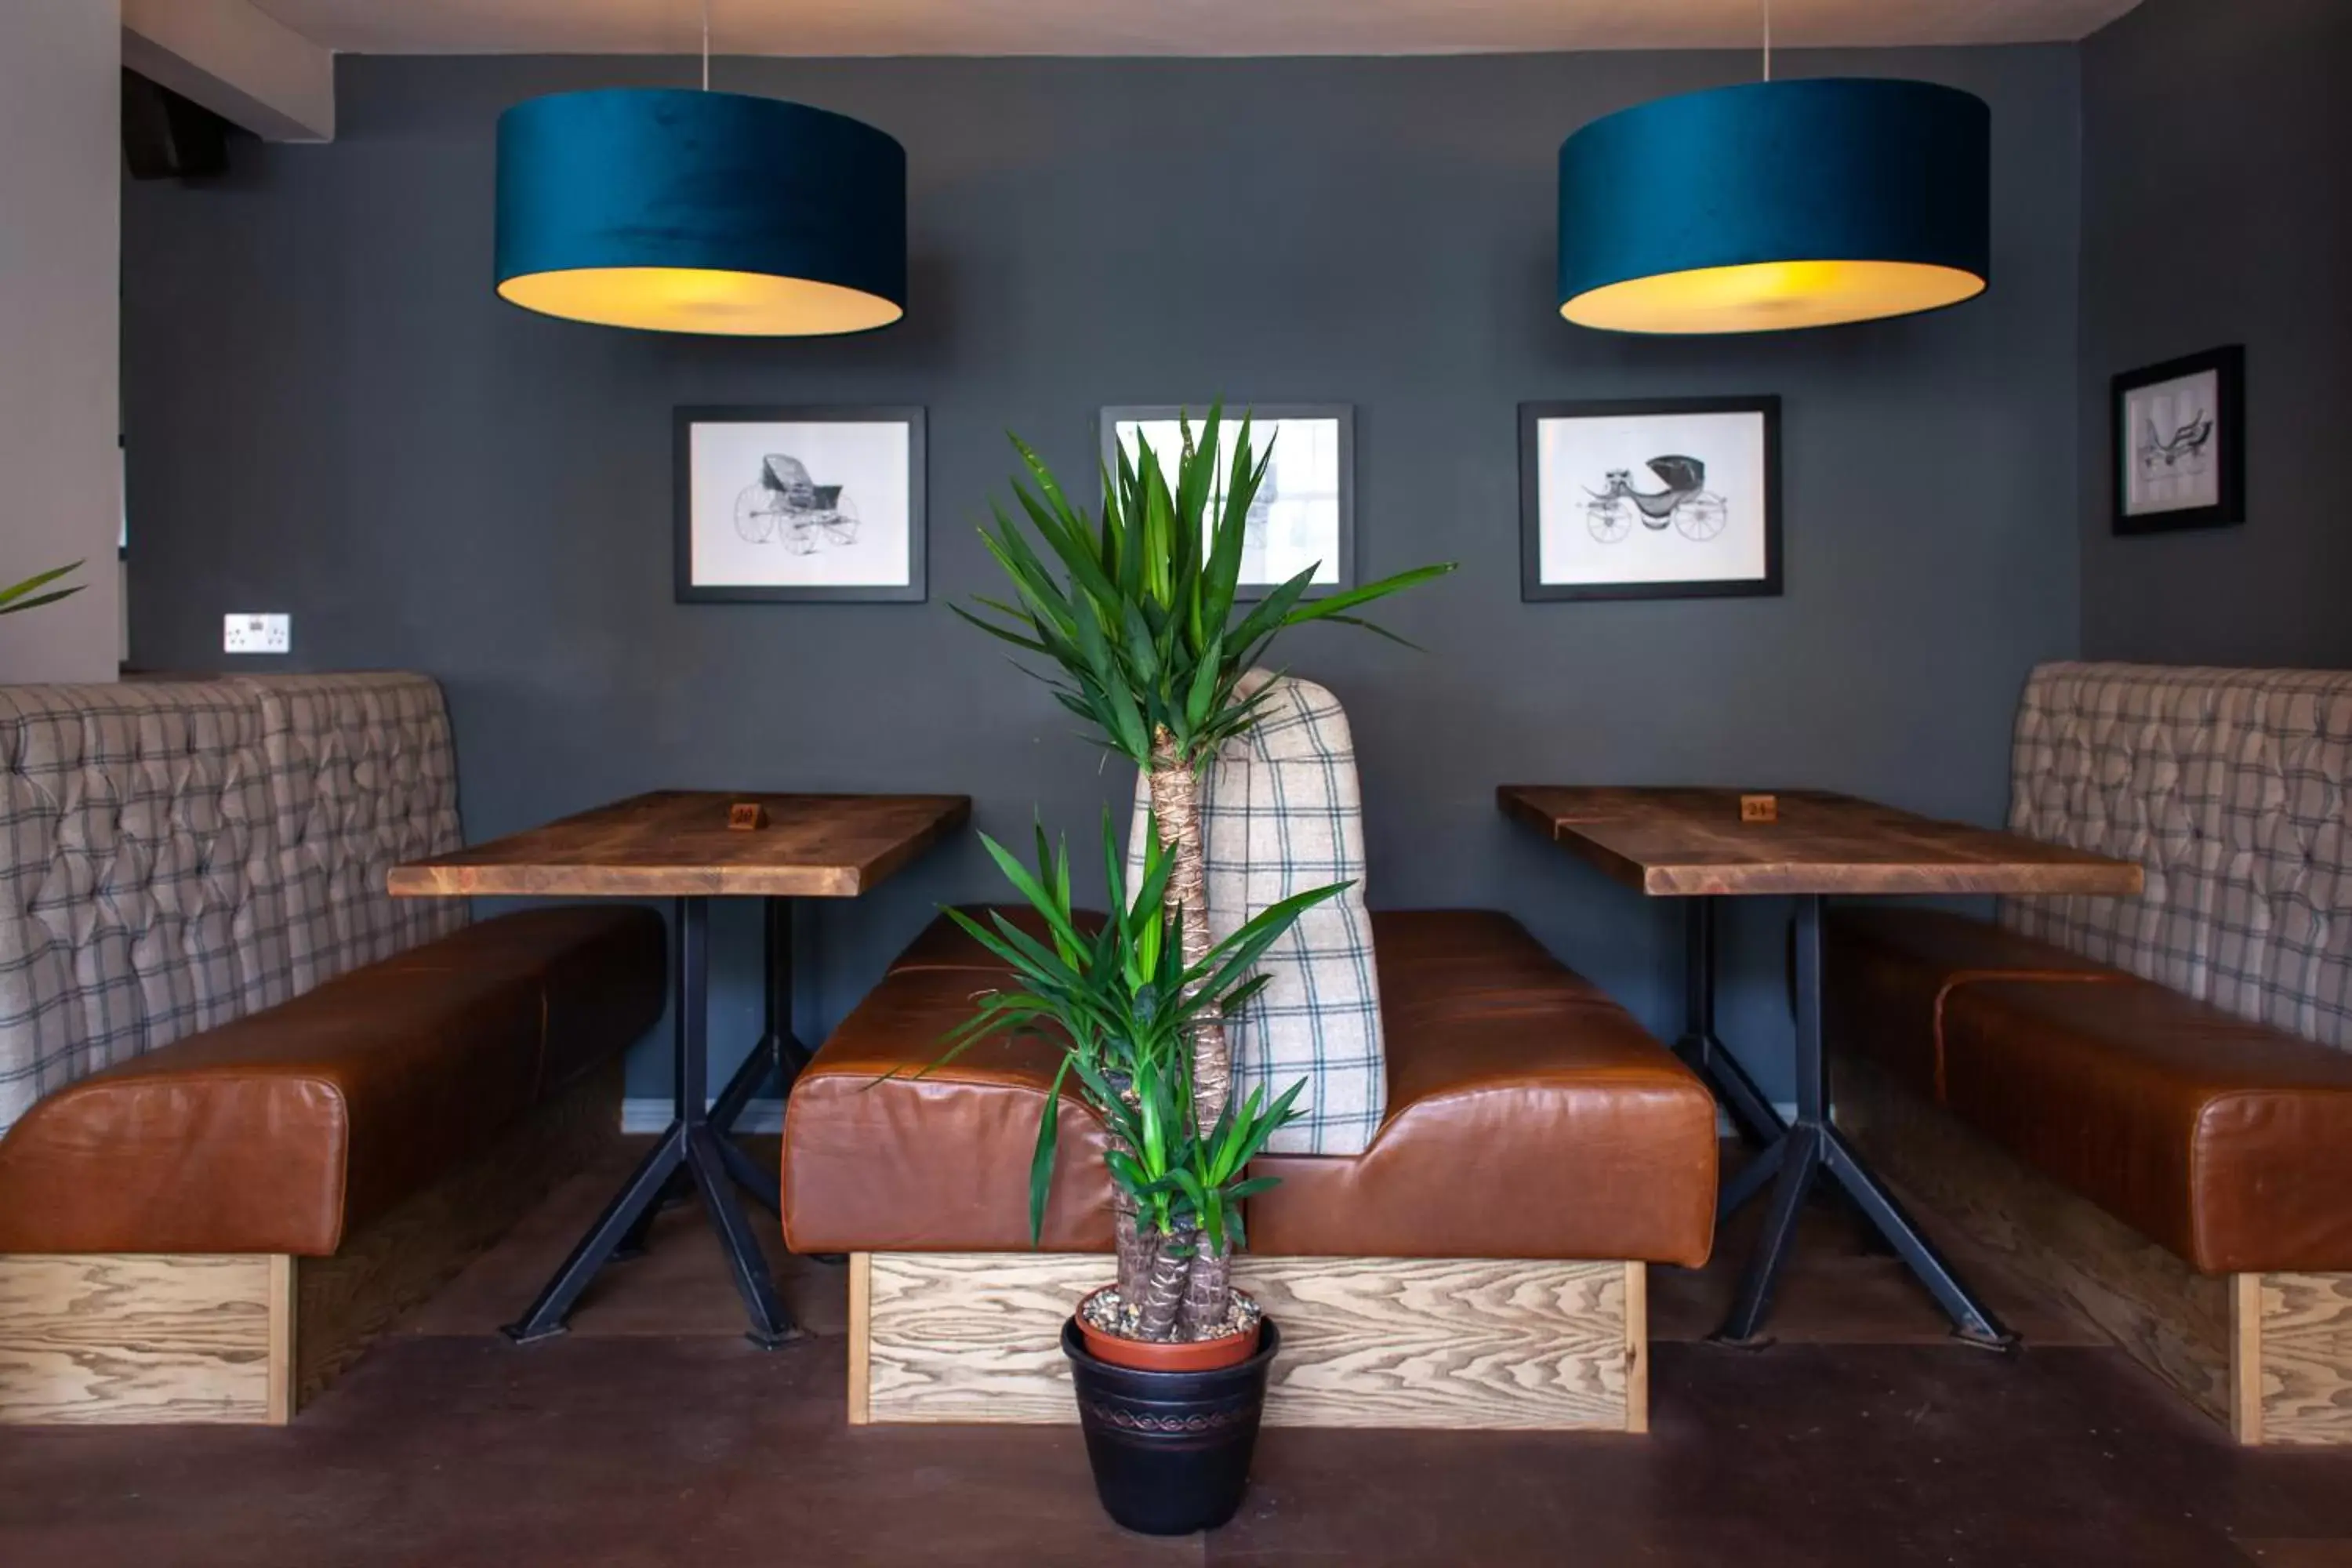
pixel 1175 1355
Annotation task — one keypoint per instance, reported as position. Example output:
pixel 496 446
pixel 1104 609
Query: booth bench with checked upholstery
pixel 2146 1104
pixel 258 1107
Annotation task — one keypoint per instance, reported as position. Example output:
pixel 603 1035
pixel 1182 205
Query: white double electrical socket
pixel 257 634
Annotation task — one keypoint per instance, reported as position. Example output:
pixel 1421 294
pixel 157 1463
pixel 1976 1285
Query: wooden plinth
pixel 1457 1345
pixel 2267 1355
pixel 126 1340
pixel 121 1338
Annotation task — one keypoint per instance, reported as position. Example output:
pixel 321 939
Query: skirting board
pixel 129 1340
pixel 643 1114
pixel 1455 1344
pixel 2267 1355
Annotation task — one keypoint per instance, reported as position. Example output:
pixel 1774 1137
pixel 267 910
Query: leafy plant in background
pixel 27 595
pixel 1124 1001
pixel 1137 613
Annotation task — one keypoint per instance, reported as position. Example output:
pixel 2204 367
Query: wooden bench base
pixel 1460 1344
pixel 2267 1355
pixel 127 1338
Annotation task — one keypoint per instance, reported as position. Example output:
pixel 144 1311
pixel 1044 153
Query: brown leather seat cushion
pixel 1893 970
pixel 1529 1116
pixel 286 1129
pixel 886 1152
pixel 2228 1142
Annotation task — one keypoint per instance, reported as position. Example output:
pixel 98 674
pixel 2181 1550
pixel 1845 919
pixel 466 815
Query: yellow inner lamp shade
pixel 700 299
pixel 1770 296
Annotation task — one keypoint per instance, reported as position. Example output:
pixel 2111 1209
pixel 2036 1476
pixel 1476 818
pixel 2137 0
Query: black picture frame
pixel 2228 366
pixel 1532 415
pixel 914 591
pixel 1260 414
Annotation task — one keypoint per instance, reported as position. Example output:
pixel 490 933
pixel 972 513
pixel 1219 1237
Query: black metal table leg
pixel 1811 1149
pixel 1751 1180
pixel 744 1085
pixel 1971 1319
pixel 691 1142
pixel 760 1183
pixel 1799 1161
pixel 546 1315
pixel 1750 1113
pixel 675 1192
pixel 779 1055
pixel 771 1324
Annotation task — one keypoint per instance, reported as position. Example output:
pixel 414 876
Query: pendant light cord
pixel 706 45
pixel 1767 38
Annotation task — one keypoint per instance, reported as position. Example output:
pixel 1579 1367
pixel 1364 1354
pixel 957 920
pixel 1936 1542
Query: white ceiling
pixel 1164 26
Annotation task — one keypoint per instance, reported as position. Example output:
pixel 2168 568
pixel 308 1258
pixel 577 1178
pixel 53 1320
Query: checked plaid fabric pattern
pixel 363 776
pixel 2229 786
pixel 174 854
pixel 1281 814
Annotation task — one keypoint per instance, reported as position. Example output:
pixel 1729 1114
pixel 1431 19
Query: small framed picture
pixel 1666 498
pixel 787 504
pixel 2179 454
pixel 1304 514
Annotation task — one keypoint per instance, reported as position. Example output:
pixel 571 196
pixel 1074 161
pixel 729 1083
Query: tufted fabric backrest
pixel 362 776
pixel 173 855
pixel 1281 813
pixel 2229 786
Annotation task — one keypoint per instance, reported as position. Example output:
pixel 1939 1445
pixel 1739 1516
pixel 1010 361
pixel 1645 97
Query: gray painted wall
pixel 2217 209
pixel 332 415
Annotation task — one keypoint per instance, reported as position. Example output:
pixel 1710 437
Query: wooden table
pixel 678 844
pixel 1693 844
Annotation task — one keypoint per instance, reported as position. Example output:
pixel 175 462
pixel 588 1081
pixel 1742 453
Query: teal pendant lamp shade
pixel 1777 205
pixel 700 212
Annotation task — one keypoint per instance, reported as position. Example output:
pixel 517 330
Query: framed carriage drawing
pixel 789 504
pixel 1665 498
pixel 1304 515
pixel 2178 452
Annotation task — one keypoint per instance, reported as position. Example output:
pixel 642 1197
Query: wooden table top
pixel 1684 842
pixel 676 843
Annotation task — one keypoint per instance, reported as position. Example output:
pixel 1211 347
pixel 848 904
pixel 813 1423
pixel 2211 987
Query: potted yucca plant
pixel 1170 1418
pixel 1137 612
pixel 1137 615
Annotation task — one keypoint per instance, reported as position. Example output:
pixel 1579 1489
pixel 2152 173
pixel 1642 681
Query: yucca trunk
pixel 1137 1250
pixel 1162 1301
pixel 1176 802
pixel 1208 1292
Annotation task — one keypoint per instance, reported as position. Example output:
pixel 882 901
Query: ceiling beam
pixel 246 66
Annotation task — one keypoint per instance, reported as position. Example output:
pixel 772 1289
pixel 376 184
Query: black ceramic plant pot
pixel 1170 1450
